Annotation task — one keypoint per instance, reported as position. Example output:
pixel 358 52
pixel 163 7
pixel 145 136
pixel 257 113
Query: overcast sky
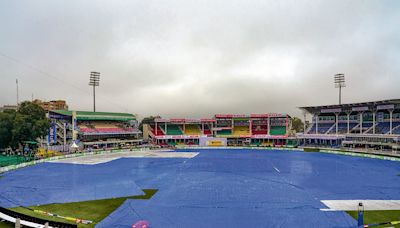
pixel 197 58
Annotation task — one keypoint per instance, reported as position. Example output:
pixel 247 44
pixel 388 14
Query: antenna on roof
pixel 339 83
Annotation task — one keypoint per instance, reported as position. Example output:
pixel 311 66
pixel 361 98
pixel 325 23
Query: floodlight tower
pixel 94 81
pixel 340 83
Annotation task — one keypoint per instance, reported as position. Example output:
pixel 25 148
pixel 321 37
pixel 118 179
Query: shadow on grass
pixel 95 210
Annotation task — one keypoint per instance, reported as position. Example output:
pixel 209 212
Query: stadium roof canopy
pixel 393 104
pixel 84 115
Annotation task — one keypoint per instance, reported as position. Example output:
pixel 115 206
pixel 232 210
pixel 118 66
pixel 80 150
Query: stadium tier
pixel 231 129
pixel 374 125
pixel 92 129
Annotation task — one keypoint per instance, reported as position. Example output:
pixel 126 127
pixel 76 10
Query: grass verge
pixel 95 210
pixel 378 217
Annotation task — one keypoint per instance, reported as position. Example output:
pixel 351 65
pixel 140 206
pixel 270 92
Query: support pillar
pixel 316 124
pixel 391 121
pixel 361 122
pixel 287 125
pixel 251 127
pixel 348 123
pixel 18 223
pixel 337 123
pixel 373 122
pixel 269 125
pixel 65 136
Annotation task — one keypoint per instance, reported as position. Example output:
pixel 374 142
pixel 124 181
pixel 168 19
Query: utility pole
pixel 339 81
pixel 16 82
pixel 94 81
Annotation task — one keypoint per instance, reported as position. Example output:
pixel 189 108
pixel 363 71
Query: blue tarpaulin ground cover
pixel 47 183
pixel 218 188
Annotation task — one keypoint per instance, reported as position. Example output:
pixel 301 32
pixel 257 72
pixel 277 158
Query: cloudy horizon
pixel 199 58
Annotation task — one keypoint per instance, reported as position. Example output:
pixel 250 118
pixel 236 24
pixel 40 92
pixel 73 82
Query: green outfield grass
pixel 378 217
pixel 95 210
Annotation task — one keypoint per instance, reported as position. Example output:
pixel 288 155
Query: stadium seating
pixel 342 127
pixel 224 132
pixel 159 131
pixel 104 128
pixel 259 130
pixel 192 129
pixel 396 130
pixel 241 130
pixel 278 130
pixel 173 129
pixel 365 127
pixel 383 128
pixel 324 127
pixel 207 130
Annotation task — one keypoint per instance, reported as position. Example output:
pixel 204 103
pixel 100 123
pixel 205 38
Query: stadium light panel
pixel 94 80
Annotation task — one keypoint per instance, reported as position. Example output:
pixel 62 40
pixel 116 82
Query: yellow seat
pixel 241 130
pixel 192 129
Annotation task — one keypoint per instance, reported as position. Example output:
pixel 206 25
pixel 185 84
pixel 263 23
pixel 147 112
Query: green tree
pixel 6 125
pixel 297 124
pixel 30 123
pixel 27 124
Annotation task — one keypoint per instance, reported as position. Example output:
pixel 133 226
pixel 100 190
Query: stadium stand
pixel 367 125
pixel 92 129
pixel 235 130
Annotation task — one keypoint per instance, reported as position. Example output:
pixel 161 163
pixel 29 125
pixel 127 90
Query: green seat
pixel 278 130
pixel 224 132
pixel 173 130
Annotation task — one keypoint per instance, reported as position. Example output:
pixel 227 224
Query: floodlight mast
pixel 94 81
pixel 340 82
